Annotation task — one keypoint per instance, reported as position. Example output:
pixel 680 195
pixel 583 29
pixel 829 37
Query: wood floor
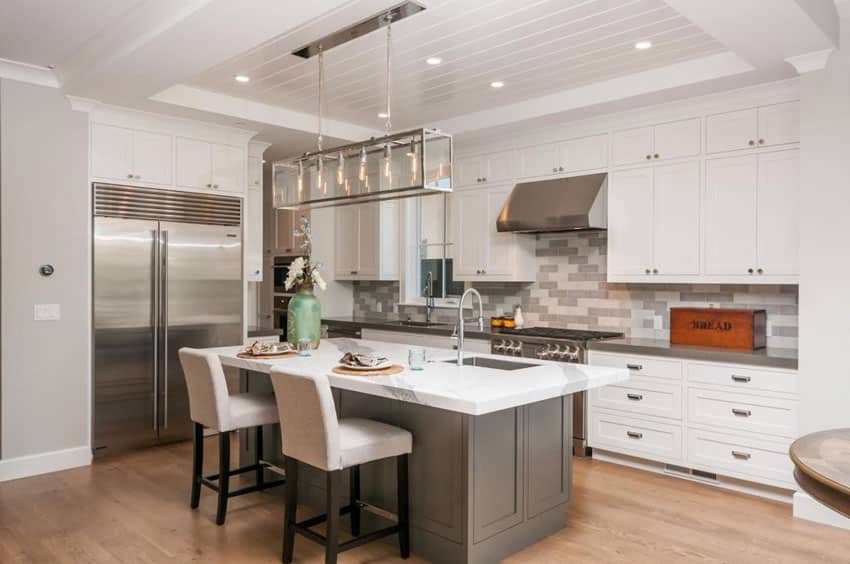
pixel 134 508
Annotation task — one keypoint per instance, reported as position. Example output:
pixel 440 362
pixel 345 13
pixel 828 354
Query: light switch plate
pixel 46 312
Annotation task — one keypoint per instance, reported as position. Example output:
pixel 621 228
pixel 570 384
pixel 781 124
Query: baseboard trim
pixel 33 465
pixel 808 508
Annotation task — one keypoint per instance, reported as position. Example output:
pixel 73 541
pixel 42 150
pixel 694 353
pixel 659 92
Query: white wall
pixel 44 196
pixel 825 243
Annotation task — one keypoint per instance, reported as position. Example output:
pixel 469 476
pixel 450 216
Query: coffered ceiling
pixel 535 47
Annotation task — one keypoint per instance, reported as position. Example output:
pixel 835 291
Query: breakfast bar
pixel 491 468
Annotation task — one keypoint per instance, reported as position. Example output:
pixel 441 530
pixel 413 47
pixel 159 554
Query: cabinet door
pixel 284 224
pixel 153 158
pixel 253 239
pixel 111 152
pixel 369 242
pixel 498 167
pixel 676 219
pixel 470 232
pixel 731 131
pixel 469 170
pixel 632 146
pixel 730 215
pixel 778 198
pixel 193 163
pixel 347 242
pixel 540 160
pixel 499 246
pixel 677 139
pixel 779 124
pixel 255 172
pixel 228 168
pixel 630 222
pixel 587 153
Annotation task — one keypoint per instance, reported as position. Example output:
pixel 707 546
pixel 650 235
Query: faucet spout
pixel 461 320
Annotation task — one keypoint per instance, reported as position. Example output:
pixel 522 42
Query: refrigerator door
pixel 124 258
pixel 201 307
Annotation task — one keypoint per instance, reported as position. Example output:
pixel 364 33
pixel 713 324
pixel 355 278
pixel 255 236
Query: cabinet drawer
pixel 743 411
pixel 640 365
pixel 639 438
pixel 740 457
pixel 640 396
pixel 742 378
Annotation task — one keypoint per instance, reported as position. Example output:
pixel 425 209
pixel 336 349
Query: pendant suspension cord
pixel 388 124
pixel 321 93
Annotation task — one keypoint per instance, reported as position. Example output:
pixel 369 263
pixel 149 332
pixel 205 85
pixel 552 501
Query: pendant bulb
pixel 319 171
pixel 300 178
pixel 362 173
pixel 388 160
pixel 340 169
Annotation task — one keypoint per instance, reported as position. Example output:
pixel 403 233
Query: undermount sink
pixel 494 363
pixel 410 323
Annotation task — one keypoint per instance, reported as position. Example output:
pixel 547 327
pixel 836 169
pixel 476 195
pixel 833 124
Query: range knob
pixel 542 354
pixel 515 348
pixel 500 346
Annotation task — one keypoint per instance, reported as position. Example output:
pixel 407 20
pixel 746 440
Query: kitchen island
pixel 491 468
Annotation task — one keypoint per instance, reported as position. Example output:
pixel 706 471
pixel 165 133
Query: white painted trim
pixel 24 72
pixel 33 465
pixel 808 508
pixel 843 7
pixel 85 105
pixel 808 62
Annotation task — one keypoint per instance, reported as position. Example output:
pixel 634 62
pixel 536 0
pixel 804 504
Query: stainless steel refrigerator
pixel 167 274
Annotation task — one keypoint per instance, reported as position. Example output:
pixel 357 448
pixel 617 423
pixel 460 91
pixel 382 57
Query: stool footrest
pixel 211 481
pixel 242 470
pixel 303 528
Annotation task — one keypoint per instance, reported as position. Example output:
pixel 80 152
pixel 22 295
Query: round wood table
pixel 822 467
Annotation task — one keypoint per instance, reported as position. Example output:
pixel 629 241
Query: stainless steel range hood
pixel 565 204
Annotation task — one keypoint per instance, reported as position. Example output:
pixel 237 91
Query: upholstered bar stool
pixel 212 406
pixel 315 436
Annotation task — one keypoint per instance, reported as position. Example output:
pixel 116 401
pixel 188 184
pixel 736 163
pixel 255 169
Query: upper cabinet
pixel 564 157
pixel 134 156
pixel 212 166
pixel 367 238
pixel 253 222
pixel 479 169
pixel 767 126
pixel 663 141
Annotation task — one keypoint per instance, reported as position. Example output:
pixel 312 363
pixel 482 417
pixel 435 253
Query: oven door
pixel 281 305
pixel 281 269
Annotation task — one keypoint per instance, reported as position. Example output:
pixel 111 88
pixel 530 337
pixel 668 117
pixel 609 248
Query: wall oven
pixel 281 268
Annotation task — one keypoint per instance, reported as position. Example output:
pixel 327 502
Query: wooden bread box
pixel 716 327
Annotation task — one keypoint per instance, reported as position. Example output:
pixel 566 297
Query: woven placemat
pixel 394 369
pixel 266 356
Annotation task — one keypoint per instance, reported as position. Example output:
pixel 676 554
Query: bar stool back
pixel 315 436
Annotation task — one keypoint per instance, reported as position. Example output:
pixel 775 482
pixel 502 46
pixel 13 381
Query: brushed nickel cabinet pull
pixel 635 397
pixel 634 435
pixel 742 379
pixel 741 455
pixel 742 412
pixel 634 366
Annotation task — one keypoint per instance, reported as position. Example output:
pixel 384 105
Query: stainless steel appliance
pixel 281 268
pixel 550 343
pixel 167 273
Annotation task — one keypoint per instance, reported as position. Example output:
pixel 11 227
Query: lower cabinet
pixel 717 418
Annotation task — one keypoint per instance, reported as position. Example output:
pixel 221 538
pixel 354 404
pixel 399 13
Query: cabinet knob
pixel 560 169
pixel 750 270
pixel 655 155
pixel 484 179
pixel 554 169
pixel 655 271
pixel 751 142
pixel 760 271
pixel 353 272
pixel 649 157
pixel 215 185
pixel 648 271
pixel 129 176
pixel 209 185
pixel 477 180
pixel 761 141
pixel 138 177
pixel 256 272
pixel 483 272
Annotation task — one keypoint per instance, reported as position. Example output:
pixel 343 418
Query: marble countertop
pixel 769 358
pixel 472 390
pixel 395 324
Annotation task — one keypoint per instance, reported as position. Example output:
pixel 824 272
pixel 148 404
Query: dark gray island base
pixel 481 487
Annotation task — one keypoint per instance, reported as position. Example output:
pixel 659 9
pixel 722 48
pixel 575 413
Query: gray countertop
pixel 771 358
pixel 394 324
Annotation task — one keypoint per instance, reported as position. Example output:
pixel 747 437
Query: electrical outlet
pixel 379 307
pixel 46 312
pixel 658 323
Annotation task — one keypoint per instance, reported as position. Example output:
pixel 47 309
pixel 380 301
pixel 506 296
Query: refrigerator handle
pixel 164 299
pixel 155 314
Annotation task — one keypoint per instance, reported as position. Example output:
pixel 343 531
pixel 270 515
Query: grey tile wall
pixel 571 291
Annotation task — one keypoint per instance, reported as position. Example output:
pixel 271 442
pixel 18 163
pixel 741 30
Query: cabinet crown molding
pixel 31 74
pixel 808 62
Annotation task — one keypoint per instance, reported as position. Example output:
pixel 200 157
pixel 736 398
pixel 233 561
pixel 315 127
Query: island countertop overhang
pixel 472 390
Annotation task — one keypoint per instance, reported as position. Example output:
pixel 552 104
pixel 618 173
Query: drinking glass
pixel 416 359
pixel 304 346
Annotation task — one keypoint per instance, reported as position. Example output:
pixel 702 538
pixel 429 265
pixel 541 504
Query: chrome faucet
pixel 461 320
pixel 429 296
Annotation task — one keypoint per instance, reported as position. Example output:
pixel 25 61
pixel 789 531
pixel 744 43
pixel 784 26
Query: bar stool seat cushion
pixel 364 440
pixel 251 410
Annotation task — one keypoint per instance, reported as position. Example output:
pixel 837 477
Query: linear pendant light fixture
pixel 398 165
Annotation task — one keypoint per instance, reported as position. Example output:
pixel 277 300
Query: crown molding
pixel 843 7
pixel 24 72
pixel 86 105
pixel 808 62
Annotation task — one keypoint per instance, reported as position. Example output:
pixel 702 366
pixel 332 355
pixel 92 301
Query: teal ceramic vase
pixel 304 317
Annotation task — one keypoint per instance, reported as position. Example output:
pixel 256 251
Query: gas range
pixel 547 343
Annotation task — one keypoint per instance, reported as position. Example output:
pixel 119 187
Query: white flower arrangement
pixel 303 272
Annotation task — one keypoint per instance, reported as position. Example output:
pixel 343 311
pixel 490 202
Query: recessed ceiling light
pixel 242 78
pixel 643 45
pixel 433 60
pixel 497 84
pixel 382 115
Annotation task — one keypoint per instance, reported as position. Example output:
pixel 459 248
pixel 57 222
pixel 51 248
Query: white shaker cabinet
pixel 367 237
pixel 210 166
pixel 253 222
pixel 778 124
pixel 480 169
pixel 671 140
pixel 777 216
pixel 563 157
pixel 653 222
pixel 128 155
pixel 539 160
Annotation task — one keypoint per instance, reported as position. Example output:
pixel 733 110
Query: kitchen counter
pixel 442 329
pixel 472 390
pixel 768 358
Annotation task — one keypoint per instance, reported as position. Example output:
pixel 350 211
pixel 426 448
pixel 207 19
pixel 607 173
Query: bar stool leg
pixel 334 481
pixel 223 475
pixel 403 507
pixel 197 464
pixel 354 500
pixel 258 457
pixel 291 467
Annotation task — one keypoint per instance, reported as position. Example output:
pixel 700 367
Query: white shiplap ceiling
pixel 536 47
